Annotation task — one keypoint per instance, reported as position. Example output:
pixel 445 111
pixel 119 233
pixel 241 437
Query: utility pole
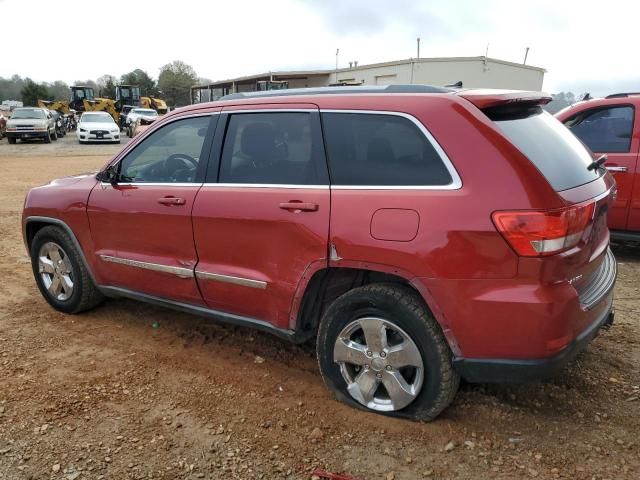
pixel 526 54
pixel 418 55
pixel 337 53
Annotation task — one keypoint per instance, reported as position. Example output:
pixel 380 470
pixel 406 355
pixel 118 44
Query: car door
pixel 141 223
pixel 609 130
pixel 266 221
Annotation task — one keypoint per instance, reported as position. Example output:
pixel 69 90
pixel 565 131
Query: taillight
pixel 536 233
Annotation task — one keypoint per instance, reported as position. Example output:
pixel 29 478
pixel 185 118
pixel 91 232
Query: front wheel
pixel 379 348
pixel 47 137
pixel 54 137
pixel 61 276
pixel 11 140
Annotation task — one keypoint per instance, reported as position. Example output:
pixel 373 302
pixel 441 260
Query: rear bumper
pixel 517 371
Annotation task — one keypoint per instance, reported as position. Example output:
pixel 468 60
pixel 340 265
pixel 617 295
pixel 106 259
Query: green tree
pixel 107 86
pixel 32 92
pixel 10 88
pixel 141 79
pixel 175 82
pixel 560 101
pixel 59 90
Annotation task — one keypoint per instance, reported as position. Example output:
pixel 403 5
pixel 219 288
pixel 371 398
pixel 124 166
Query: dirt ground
pixel 106 395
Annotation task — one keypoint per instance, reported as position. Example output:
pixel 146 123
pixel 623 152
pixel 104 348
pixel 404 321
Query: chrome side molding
pixel 177 271
pixel 217 277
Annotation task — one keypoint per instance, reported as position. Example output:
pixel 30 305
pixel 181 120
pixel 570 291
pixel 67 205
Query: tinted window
pixel 552 148
pixel 272 148
pixel 170 154
pixel 604 130
pixel 380 150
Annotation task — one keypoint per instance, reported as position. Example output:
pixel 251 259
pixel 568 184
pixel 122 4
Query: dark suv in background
pixel 418 234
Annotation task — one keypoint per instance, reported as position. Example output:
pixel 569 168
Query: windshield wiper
pixel 597 164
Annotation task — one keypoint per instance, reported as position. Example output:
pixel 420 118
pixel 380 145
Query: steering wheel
pixel 179 161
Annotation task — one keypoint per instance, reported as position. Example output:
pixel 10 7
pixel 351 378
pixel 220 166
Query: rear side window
pixel 606 130
pixel 552 148
pixel 380 150
pixel 273 148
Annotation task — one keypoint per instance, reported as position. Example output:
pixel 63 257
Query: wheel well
pixel 32 228
pixel 328 284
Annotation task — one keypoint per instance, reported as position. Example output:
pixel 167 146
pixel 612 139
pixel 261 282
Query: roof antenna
pixel 586 96
pixel 458 84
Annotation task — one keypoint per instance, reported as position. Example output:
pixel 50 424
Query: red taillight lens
pixel 537 233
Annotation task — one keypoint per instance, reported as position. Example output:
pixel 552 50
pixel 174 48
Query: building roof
pixel 307 73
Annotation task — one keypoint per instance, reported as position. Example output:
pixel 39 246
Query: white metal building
pixel 473 72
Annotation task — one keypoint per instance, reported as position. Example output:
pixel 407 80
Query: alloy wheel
pixel 55 271
pixel 380 363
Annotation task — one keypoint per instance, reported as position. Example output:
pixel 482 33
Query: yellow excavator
pixel 61 106
pixel 157 104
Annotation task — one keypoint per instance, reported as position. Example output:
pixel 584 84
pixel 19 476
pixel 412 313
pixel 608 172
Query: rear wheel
pixel 60 273
pixel 379 348
pixel 12 141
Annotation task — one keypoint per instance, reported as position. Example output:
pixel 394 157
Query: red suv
pixel 419 234
pixel 609 126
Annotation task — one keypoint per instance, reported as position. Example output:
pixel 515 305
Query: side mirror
pixel 109 175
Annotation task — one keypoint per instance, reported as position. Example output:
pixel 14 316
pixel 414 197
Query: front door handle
pixel 295 205
pixel 612 168
pixel 172 201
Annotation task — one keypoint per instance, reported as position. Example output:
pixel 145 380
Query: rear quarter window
pixel 548 144
pixel 368 149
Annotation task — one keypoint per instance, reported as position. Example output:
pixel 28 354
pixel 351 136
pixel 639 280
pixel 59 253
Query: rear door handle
pixel 612 168
pixel 172 201
pixel 299 206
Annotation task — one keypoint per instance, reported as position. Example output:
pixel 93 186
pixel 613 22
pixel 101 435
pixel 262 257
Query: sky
pixel 585 46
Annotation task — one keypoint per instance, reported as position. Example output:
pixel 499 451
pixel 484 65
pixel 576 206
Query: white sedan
pixel 144 113
pixel 97 127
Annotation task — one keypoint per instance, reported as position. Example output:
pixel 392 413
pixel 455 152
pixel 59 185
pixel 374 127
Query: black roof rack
pixel 346 90
pixel 622 95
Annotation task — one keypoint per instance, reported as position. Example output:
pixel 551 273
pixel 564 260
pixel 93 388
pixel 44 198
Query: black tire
pixel 12 141
pixel 47 137
pixel 85 295
pixel 407 310
pixel 54 137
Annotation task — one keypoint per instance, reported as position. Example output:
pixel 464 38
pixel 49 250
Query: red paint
pixel 490 302
pixel 625 213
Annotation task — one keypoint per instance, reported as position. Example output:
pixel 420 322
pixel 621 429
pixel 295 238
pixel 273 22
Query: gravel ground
pixel 106 395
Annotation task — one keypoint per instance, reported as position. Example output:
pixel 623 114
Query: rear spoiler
pixel 496 98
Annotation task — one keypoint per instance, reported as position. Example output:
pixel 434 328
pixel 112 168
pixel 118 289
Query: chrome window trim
pixel 218 277
pixel 456 181
pixel 131 145
pixel 266 185
pixel 229 111
pixel 178 271
pixel 152 184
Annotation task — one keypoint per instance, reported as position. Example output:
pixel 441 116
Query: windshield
pixel 106 118
pixel 552 148
pixel 145 112
pixel 34 113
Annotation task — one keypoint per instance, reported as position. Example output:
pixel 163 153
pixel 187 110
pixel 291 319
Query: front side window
pixel 272 148
pixel 169 155
pixel 604 130
pixel 380 150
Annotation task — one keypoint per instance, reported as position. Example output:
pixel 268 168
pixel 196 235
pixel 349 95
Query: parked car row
pixel 418 238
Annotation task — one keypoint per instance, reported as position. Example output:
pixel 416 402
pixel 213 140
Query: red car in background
pixel 419 234
pixel 611 126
